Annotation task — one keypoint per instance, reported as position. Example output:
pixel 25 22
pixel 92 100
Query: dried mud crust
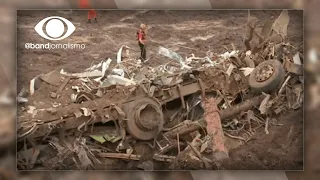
pixel 168 28
pixel 280 149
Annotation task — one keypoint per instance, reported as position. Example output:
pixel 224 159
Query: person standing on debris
pixel 141 37
pixel 91 13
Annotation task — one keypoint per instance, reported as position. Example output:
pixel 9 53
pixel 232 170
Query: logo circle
pixel 55 28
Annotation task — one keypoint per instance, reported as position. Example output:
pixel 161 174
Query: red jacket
pixel 141 35
pixel 92 14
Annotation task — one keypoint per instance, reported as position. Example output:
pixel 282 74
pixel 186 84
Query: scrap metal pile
pixel 179 113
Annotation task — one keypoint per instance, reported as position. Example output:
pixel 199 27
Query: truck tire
pixel 144 118
pixel 272 82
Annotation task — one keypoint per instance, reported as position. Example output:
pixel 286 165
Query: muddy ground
pixel 185 32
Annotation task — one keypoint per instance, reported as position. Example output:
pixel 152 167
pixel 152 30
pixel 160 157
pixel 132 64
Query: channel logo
pixel 55 28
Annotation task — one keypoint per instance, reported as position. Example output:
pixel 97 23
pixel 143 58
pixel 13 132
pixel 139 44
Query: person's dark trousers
pixel 143 54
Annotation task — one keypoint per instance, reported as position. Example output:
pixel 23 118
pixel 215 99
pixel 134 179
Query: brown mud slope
pixel 185 32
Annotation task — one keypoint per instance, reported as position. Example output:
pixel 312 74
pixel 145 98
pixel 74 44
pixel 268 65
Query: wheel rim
pixel 147 117
pixel 264 73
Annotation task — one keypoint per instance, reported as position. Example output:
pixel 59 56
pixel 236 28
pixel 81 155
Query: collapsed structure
pixel 181 110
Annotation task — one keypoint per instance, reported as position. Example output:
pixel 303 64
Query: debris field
pixel 238 106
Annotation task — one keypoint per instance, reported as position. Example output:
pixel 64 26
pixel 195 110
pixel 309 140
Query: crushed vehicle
pixel 181 111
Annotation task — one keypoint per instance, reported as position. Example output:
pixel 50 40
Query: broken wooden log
pixel 244 106
pixel 214 130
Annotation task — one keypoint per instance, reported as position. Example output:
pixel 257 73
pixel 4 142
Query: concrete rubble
pixel 182 110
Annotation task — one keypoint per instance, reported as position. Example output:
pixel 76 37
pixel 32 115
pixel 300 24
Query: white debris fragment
pixel 189 59
pixel 23 92
pixel 73 97
pixel 247 71
pixel 119 72
pixel 119 54
pixel 224 106
pixel 301 79
pixel 266 126
pixel 209 60
pixel 84 80
pixel 296 59
pixel 97 79
pixel 184 66
pixel 173 55
pixel 115 79
pixel 230 69
pixel 94 67
pixel 233 53
pixel 21 99
pixel 62 72
pixel 105 66
pixel 284 85
pixel 95 73
pixel 227 55
pixel 86 111
pixel 92 71
pixel 85 85
pixel 32 86
pixel 78 114
pixel 55 104
pixel 248 53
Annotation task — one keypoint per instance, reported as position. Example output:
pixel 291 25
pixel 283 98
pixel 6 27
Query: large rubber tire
pixel 131 112
pixel 270 84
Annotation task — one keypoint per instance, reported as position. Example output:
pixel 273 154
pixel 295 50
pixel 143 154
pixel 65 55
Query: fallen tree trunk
pixel 214 129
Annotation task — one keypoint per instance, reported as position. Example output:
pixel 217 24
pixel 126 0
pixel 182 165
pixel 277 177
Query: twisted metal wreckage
pixel 182 111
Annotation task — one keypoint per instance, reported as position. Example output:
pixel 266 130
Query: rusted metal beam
pixel 244 106
pixel 184 91
pixel 186 128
